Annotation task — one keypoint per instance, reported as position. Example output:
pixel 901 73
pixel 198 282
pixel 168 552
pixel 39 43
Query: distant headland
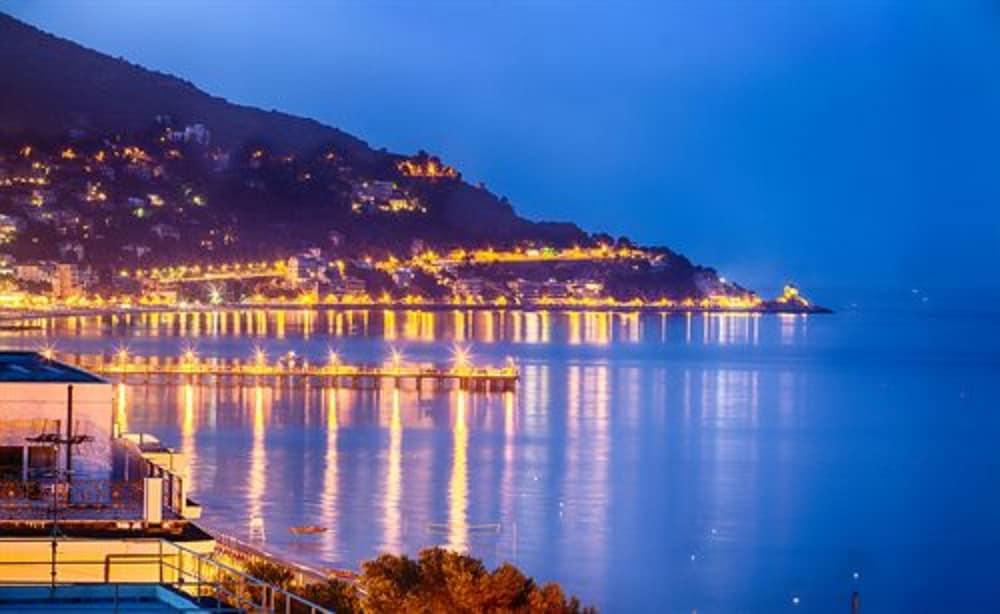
pixel 124 186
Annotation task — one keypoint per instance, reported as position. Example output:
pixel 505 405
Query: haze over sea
pixel 648 462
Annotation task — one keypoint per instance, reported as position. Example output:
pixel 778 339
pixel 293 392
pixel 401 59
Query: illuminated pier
pixel 333 374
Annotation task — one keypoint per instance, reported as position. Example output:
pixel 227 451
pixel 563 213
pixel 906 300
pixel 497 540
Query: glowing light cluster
pixel 428 168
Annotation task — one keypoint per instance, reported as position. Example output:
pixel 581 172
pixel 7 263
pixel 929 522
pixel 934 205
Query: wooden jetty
pixel 361 377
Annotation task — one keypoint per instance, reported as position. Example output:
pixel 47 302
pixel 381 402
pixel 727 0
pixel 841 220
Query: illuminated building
pixel 305 267
pixel 67 280
pixel 93 516
pixel 468 286
pixel 59 446
pixel 36 272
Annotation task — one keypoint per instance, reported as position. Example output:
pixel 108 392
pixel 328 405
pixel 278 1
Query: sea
pixel 647 462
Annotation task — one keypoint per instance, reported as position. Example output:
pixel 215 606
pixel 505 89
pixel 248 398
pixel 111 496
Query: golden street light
pixel 259 356
pixel 190 356
pixel 48 352
pixel 461 357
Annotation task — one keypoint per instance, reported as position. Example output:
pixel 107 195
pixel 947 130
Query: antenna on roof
pixel 63 478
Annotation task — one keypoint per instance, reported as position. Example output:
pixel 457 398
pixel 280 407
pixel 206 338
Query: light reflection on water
pixel 647 461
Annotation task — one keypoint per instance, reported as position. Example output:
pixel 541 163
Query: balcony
pixel 80 500
pixel 46 575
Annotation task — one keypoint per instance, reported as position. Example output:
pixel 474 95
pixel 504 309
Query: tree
pixel 387 581
pixel 271 573
pixel 445 581
pixel 336 595
pixel 439 580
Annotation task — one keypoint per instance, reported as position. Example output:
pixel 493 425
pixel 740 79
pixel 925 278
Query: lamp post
pixel 62 476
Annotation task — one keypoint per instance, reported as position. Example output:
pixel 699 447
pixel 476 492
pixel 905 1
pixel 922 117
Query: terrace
pixel 157 576
pixel 62 465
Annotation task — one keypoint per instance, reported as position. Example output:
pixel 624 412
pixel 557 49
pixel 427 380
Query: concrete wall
pixel 26 406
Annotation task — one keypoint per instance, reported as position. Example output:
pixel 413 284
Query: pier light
pixel 190 356
pixel 122 354
pixel 461 356
pixel 259 356
pixel 333 358
pixel 397 358
pixel 48 352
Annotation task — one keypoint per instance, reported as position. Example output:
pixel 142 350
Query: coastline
pixel 766 309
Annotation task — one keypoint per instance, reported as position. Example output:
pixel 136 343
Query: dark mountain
pixel 55 93
pixel 52 86
pixel 116 165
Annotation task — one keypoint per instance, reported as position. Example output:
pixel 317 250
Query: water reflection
pixel 188 445
pixel 482 326
pixel 394 480
pixel 257 475
pixel 631 437
pixel 458 485
pixel 331 485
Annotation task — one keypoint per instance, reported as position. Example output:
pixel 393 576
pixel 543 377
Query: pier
pixel 359 377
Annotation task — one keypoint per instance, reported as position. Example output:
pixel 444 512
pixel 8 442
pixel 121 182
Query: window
pixel 11 462
pixel 41 461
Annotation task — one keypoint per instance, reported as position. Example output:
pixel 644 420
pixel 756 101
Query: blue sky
pixel 832 143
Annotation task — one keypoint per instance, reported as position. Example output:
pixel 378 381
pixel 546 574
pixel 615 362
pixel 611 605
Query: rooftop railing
pixel 137 466
pixel 213 585
pixel 71 500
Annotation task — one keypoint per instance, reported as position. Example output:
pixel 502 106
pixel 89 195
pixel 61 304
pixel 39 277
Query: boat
pixel 444 527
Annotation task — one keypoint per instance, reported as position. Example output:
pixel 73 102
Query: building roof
pixel 33 367
pixel 110 597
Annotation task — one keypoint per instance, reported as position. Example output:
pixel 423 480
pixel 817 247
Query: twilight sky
pixel 833 143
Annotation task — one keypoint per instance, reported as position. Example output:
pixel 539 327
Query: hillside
pixel 113 165
pixel 61 89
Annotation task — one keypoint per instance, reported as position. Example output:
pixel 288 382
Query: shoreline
pixel 8 318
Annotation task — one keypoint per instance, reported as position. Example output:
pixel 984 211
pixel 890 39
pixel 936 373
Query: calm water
pixel 649 463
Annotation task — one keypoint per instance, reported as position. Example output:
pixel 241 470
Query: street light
pixel 48 352
pixel 461 356
pixel 190 356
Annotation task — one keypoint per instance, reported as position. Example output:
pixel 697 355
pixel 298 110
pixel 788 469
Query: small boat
pixel 307 530
pixel 443 527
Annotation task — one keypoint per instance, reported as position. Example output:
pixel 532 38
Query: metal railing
pixel 137 466
pixel 232 548
pixel 110 499
pixel 196 575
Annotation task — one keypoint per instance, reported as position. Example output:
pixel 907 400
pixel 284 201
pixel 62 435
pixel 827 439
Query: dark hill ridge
pixel 119 166
pixel 57 85
pixel 58 88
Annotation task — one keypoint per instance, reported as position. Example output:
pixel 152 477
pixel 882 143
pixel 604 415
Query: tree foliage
pixel 272 573
pixel 438 580
pixel 444 581
pixel 336 595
